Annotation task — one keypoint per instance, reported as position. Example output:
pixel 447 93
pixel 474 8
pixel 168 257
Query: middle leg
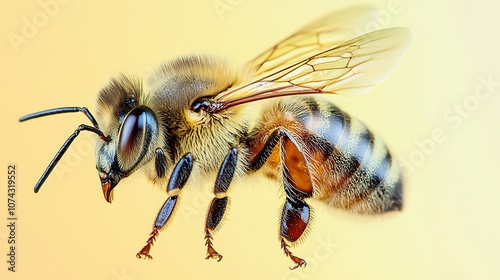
pixel 220 202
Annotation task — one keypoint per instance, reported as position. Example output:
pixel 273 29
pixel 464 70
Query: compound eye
pixel 132 138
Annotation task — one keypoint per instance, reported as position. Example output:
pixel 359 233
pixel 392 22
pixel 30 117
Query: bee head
pixel 128 129
pixel 132 129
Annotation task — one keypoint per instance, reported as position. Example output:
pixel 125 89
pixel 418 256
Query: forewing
pixel 320 35
pixel 352 67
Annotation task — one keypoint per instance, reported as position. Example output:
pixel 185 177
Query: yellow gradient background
pixel 449 229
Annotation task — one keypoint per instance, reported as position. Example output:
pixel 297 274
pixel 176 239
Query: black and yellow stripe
pixel 352 168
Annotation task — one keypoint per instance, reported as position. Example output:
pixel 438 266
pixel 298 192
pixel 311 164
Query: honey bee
pixel 197 119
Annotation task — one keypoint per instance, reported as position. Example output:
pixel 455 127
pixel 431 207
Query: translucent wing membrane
pixel 352 67
pixel 322 34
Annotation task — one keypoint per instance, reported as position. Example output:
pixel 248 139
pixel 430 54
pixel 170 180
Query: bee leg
pixel 298 186
pixel 219 203
pixel 258 161
pixel 178 179
pixel 294 220
pixel 160 163
pixel 297 183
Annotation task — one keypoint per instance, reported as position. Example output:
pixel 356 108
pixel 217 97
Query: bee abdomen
pixel 352 168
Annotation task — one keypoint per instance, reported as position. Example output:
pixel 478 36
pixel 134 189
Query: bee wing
pixel 320 35
pixel 352 67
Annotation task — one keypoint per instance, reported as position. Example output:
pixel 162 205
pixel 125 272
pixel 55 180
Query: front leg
pixel 178 179
pixel 220 202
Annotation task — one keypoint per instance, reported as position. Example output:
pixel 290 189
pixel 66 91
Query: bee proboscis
pixel 196 119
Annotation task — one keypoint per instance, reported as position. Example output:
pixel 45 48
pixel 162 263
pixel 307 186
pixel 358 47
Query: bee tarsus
pixel 211 253
pixel 298 261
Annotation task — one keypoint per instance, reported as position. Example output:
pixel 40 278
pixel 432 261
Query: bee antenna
pixel 60 111
pixel 67 143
